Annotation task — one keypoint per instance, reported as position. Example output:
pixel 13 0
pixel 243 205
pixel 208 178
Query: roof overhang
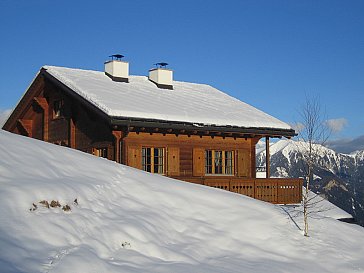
pixel 195 128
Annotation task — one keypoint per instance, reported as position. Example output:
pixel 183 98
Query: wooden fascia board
pixel 23 104
pixel 271 132
pixel 74 95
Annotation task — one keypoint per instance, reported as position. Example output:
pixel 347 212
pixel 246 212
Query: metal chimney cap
pixel 161 65
pixel 116 57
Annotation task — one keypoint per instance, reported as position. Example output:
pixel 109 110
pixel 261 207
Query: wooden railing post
pixel 267 158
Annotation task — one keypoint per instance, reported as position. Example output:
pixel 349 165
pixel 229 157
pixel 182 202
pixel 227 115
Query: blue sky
pixel 266 53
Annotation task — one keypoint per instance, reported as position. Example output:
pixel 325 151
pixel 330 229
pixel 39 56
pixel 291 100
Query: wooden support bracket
pixel 26 124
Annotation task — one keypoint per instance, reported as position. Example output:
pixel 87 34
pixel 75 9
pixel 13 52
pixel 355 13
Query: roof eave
pixel 163 124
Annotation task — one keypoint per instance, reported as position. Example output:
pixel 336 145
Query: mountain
pixel 337 177
pixel 64 211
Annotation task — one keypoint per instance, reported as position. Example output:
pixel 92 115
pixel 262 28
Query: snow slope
pixel 127 220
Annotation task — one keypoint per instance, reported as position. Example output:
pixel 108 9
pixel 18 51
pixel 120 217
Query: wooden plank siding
pixel 173 163
pixel 192 149
pixel 243 163
pixel 198 161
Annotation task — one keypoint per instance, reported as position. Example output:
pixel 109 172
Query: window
pixel 229 166
pixel 100 152
pixel 153 160
pixel 219 162
pixel 57 108
pixel 208 164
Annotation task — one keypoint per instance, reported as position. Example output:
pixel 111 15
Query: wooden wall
pixel 185 154
pixel 78 127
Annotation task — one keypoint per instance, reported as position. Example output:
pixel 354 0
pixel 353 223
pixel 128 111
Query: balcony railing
pixel 273 190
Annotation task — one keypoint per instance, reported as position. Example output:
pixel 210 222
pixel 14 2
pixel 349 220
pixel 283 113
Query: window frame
pixel 218 162
pixel 157 160
pixel 58 109
pixel 101 152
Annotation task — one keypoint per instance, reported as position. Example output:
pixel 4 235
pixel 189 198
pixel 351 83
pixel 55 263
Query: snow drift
pixel 126 220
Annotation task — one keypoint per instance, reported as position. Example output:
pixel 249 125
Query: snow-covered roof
pixel 142 99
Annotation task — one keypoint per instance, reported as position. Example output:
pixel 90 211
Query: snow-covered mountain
pixel 120 219
pixel 338 177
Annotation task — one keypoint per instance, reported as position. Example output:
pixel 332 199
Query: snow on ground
pixel 127 220
pixel 319 207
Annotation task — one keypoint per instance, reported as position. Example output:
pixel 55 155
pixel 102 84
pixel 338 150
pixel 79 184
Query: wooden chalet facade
pixel 56 108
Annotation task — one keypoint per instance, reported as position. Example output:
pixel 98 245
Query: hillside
pixel 337 177
pixel 127 220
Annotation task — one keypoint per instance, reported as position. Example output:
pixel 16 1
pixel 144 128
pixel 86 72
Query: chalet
pixel 188 131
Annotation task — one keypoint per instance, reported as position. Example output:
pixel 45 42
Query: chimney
pixel 117 69
pixel 161 76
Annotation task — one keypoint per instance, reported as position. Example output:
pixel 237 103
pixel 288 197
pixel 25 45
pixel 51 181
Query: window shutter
pixel 198 162
pixel 244 163
pixel 134 157
pixel 173 161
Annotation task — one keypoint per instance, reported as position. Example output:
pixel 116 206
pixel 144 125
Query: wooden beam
pixel 72 140
pixel 117 135
pixel 26 124
pixel 267 157
pixel 43 103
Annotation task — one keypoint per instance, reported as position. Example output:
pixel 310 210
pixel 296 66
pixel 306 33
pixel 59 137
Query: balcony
pixel 273 190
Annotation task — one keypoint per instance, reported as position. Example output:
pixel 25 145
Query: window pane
pixel 57 108
pixel 158 160
pixel 146 159
pixel 208 162
pixel 101 152
pixel 228 162
pixel 218 162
